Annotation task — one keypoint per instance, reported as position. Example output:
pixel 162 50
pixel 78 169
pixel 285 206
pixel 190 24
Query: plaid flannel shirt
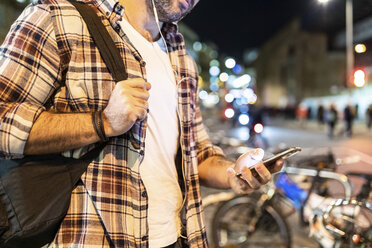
pixel 49 50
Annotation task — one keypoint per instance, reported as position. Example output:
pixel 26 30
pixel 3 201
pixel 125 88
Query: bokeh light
pixel 258 128
pixel 197 46
pixel 214 71
pixel 243 119
pixel 229 97
pixel 230 63
pixel 360 48
pixel 229 113
pixel 224 76
pixel 203 94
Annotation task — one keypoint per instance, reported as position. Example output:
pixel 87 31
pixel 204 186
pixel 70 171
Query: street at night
pixel 186 123
pixel 314 140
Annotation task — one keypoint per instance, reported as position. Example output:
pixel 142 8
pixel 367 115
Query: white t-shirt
pixel 158 171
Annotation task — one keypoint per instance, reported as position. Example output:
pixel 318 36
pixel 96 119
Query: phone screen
pixel 270 162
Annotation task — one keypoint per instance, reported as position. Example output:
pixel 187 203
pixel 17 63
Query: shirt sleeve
pixel 204 146
pixel 29 69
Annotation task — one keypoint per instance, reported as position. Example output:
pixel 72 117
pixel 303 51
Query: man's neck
pixel 141 17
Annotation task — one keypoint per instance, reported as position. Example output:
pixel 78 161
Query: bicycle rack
pixel 323 174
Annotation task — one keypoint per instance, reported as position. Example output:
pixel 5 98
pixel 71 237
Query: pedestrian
pixel 369 117
pixel 356 111
pixel 348 118
pixel 332 118
pixel 320 114
pixel 129 196
pixel 301 113
pixel 309 113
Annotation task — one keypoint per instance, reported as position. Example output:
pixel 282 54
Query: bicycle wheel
pixel 231 225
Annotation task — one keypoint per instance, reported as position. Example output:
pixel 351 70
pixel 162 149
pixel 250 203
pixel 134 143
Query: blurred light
pixel 230 81
pixel 224 76
pixel 243 119
pixel 235 93
pixel 211 100
pixel 214 71
pixel 203 94
pixel 213 54
pixel 214 87
pixel 248 93
pixel 237 69
pixel 244 109
pixel 258 128
pixel 356 238
pixel 359 78
pixel 229 97
pixel 214 62
pixel 323 1
pixel 253 99
pixel 252 56
pixel 230 63
pixel 21 1
pixel 197 46
pixel 242 81
pixel 244 100
pixel 201 82
pixel 238 102
pixel 360 48
pixel 213 80
pixel 229 113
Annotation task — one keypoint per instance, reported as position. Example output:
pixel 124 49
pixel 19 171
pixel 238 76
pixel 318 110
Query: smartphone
pixel 270 162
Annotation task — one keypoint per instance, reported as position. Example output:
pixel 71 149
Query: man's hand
pixel 127 105
pixel 58 132
pixel 246 183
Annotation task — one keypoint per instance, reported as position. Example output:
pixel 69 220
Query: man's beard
pixel 165 11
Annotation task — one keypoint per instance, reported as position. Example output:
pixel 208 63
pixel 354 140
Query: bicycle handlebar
pixel 323 174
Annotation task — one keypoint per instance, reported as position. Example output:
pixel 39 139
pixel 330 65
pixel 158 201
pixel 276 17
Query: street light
pixel 349 40
pixel 359 78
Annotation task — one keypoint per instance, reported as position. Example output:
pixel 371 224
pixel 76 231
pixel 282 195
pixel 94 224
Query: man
pixel 129 196
pixel 348 117
pixel 369 116
pixel 332 118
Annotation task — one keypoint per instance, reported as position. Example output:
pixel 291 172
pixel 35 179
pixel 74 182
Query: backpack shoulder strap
pixel 106 46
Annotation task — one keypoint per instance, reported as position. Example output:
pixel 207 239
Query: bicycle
pixel 258 220
pixel 346 223
pixel 250 221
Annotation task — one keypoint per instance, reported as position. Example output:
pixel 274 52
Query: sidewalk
pixel 359 127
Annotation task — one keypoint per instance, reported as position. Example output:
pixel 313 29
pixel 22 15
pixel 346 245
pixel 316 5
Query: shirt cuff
pixel 16 127
pixel 209 150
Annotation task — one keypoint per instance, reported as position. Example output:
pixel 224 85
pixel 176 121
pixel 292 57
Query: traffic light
pixel 359 78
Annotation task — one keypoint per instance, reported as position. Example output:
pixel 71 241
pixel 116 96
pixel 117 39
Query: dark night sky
pixel 235 25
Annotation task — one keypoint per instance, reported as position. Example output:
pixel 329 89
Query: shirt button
pixel 144 194
pixel 142 63
pixel 107 13
pixel 144 238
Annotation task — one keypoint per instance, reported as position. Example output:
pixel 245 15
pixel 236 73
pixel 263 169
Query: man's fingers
pixel 278 166
pixel 140 93
pixel 136 83
pixel 139 103
pixel 263 173
pixel 141 114
pixel 231 172
pixel 249 178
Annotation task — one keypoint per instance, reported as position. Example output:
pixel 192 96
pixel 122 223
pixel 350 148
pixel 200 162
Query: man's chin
pixel 175 17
